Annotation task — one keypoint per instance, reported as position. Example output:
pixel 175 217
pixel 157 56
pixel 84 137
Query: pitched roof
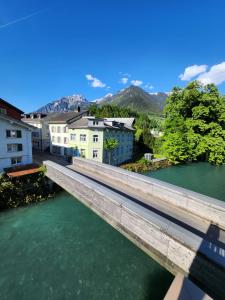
pixel 127 121
pixel 17 122
pixel 11 106
pixel 66 117
pixel 46 117
pixel 83 123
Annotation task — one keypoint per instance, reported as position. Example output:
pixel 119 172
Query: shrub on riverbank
pixel 23 190
pixel 143 165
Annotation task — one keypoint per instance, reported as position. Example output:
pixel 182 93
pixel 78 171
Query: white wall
pixel 44 134
pixel 26 153
pixel 60 134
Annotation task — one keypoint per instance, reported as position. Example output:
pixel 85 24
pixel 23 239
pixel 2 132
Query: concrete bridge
pixel 182 230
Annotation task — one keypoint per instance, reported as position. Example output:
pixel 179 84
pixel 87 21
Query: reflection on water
pixel 60 250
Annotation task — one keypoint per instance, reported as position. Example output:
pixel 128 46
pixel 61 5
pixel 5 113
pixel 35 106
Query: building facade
pixel 87 137
pixel 40 133
pixel 15 137
pixel 59 132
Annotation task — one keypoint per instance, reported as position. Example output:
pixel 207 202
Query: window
pixel 14 147
pixel 83 137
pixel 13 133
pixel 65 129
pixel 58 129
pixel 35 134
pixel 73 137
pixel 66 152
pixel 53 138
pixel 3 111
pixel 16 160
pixel 53 128
pixel 58 139
pixel 65 140
pixel 95 122
pixel 95 154
pixel 95 138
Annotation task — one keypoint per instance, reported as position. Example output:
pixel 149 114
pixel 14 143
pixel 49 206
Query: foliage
pixel 111 111
pixel 22 190
pixel 144 122
pixel 110 145
pixel 195 124
pixel 144 165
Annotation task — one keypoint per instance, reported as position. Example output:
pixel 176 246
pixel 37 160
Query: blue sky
pixel 51 49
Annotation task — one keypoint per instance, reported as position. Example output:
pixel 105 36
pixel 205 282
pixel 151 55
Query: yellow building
pixel 87 136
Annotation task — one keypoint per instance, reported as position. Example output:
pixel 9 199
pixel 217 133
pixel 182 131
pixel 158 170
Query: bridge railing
pixel 211 209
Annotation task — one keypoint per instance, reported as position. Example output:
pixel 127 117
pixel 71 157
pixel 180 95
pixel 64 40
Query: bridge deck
pixel 176 215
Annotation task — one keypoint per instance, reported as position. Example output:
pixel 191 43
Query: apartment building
pixel 15 137
pixel 87 136
pixel 40 133
pixel 59 132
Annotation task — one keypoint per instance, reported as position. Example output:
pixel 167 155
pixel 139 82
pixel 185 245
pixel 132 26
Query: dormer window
pixel 95 123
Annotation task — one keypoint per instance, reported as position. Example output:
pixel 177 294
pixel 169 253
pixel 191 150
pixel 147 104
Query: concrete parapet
pixel 174 247
pixel 183 289
pixel 203 206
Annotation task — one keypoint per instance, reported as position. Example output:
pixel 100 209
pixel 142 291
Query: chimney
pixel 78 108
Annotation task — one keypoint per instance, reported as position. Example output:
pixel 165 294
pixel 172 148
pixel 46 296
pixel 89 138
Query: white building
pixel 40 133
pixel 15 145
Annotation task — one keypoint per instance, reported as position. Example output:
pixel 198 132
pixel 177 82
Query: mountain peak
pixel 64 104
pixel 133 97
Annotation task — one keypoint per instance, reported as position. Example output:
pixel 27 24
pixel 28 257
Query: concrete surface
pixel 184 289
pixel 200 255
pixel 208 208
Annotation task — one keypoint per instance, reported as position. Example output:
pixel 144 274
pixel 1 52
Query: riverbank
pixel 144 165
pixel 23 190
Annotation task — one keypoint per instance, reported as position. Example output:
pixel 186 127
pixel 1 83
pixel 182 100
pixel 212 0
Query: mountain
pixel 69 103
pixel 107 97
pixel 137 99
pixel 132 97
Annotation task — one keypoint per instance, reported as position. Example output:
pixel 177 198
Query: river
pixel 200 177
pixel 59 249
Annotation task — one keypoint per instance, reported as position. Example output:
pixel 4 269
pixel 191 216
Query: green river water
pixel 199 177
pixel 59 249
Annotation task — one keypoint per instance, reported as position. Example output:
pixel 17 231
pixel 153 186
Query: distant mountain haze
pixel 132 97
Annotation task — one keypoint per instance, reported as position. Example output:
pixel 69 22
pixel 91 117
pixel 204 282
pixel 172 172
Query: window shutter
pixel 20 147
pixel 19 133
pixel 7 133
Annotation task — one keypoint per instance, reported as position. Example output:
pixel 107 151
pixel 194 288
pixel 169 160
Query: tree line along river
pixel 59 249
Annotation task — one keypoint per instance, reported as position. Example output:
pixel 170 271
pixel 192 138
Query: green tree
pixel 110 145
pixel 194 126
